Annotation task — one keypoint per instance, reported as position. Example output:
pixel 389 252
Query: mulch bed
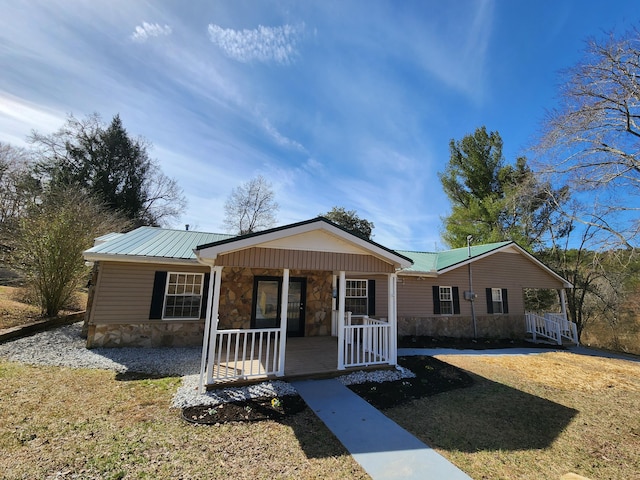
pixel 432 377
pixel 424 341
pixel 273 408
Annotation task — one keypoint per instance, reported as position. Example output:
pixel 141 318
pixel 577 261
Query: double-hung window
pixel 497 301
pixel 356 297
pixel 446 300
pixel 183 296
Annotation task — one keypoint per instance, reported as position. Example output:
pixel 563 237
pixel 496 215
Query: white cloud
pixel 18 117
pixel 143 32
pixel 263 44
pixel 279 138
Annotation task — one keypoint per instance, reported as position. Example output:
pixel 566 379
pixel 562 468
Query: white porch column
pixel 284 307
pixel 563 303
pixel 341 296
pixel 210 327
pixel 393 318
pixel 334 295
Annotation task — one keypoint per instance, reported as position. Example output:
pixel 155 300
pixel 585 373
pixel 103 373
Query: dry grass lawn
pixel 64 423
pixel 535 417
pixel 15 310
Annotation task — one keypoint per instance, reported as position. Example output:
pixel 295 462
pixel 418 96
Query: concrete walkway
pixel 383 448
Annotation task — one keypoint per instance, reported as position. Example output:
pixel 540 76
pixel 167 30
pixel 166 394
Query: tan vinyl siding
pixel 304 260
pixel 501 270
pixel 123 293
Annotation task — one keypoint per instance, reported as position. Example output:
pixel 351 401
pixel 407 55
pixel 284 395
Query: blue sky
pixel 346 103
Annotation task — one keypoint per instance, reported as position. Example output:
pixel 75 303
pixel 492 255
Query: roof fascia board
pixel 97 257
pixel 296 229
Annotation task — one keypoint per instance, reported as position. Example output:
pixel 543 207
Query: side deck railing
pixel 367 341
pixel 551 326
pixel 241 354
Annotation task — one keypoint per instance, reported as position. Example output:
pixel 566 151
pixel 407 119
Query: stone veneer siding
pixel 236 295
pixel 457 326
pixel 157 334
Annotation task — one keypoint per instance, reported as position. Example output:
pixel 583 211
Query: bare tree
pixel 251 207
pixel 52 236
pixel 592 141
pixel 18 189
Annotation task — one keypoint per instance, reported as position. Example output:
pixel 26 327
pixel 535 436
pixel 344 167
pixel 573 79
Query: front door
pixel 295 307
pixel 267 295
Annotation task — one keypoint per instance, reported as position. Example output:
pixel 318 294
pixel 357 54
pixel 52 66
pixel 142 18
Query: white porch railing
pixel 367 341
pixel 551 326
pixel 241 354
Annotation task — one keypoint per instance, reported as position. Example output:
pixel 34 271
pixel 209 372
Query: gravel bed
pixel 65 347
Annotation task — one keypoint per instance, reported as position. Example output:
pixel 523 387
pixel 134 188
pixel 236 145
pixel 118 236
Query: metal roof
pixel 437 261
pixel 155 242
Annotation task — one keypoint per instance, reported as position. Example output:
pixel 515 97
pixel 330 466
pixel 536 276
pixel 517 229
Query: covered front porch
pixel 305 357
pixel 282 264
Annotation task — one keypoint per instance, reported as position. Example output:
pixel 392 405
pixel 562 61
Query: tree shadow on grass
pixel 490 416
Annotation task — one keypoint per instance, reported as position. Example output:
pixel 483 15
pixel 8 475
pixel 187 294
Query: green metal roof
pixel 422 261
pixel 156 242
pixel 438 261
pixel 179 244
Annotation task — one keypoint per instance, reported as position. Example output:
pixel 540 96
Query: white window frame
pixel 497 300
pixel 184 294
pixel 445 301
pixel 365 296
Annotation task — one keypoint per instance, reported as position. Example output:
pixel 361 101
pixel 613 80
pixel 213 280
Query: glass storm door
pixel 295 307
pixel 267 292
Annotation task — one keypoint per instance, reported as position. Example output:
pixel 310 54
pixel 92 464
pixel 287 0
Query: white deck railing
pixel 551 326
pixel 367 341
pixel 241 354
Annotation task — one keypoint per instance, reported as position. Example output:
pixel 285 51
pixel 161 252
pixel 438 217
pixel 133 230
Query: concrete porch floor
pixel 305 358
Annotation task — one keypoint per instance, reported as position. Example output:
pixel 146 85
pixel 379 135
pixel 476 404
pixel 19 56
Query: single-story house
pixel 253 301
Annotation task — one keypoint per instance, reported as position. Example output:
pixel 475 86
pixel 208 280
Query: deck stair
pixel 551 328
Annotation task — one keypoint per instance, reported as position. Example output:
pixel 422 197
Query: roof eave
pixel 105 257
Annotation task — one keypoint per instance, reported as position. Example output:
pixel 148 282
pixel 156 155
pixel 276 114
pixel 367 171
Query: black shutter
pixel 489 301
pixel 205 295
pixel 157 295
pixel 456 300
pixel 505 302
pixel 371 297
pixel 338 293
pixel 436 300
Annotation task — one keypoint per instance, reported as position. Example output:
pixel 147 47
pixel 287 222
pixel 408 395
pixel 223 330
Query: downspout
pixel 471 295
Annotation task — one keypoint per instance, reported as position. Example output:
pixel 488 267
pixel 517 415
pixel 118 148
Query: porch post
pixel 563 303
pixel 334 295
pixel 210 327
pixel 393 318
pixel 341 295
pixel 284 307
